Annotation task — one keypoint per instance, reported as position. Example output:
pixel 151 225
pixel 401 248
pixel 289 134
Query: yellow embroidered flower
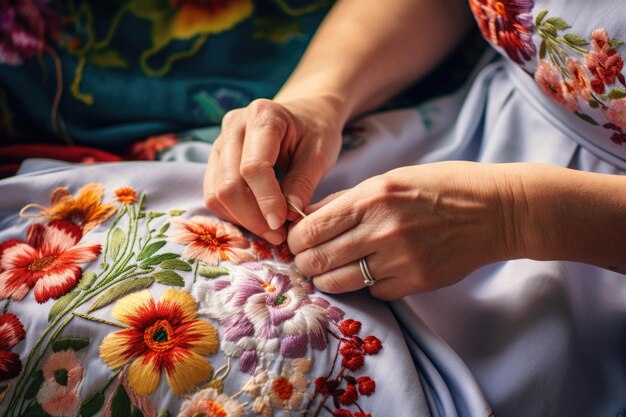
pixel 196 17
pixel 126 195
pixel 86 209
pixel 164 336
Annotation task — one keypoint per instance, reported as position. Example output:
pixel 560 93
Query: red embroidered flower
pixel 265 250
pixel 349 395
pixel 579 81
pixel 618 138
pixel 147 150
pixel 350 327
pixel 616 113
pixel 342 413
pixel 353 360
pixel 366 385
pixel 47 261
pixel 11 333
pixel 550 81
pixel 508 24
pixel 603 62
pixel 362 414
pixel 372 345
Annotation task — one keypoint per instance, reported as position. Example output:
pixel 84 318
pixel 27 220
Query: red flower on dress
pixel 580 82
pixel 47 261
pixel 11 333
pixel 148 150
pixel 550 81
pixel 616 113
pixel 507 24
pixel 603 62
pixel 210 241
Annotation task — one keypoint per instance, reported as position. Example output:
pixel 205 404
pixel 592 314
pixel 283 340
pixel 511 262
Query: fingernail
pixel 273 237
pixel 273 221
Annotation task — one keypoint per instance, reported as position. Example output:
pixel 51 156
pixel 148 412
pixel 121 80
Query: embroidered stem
pixel 54 111
pixel 99 320
pixel 290 11
pixel 6 306
pixel 120 214
pixel 114 25
pixel 176 56
pixel 82 54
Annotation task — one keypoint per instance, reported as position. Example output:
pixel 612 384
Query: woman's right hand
pixel 299 139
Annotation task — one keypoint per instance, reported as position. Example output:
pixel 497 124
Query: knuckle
pixel 318 261
pixel 331 284
pixel 231 118
pixel 310 233
pixel 253 167
pixel 226 189
pixel 301 182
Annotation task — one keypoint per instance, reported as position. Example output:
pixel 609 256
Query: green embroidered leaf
pixel 35 410
pixel 593 104
pixel 212 272
pixel 107 58
pixel 164 228
pixel 118 238
pixel 586 118
pixel 542 50
pixel 135 412
pixel 2 389
pixel 616 93
pixel 60 304
pixel 164 413
pixel 614 43
pixel 120 290
pixel 92 404
pixel 74 343
pixel 175 212
pixel 88 278
pixel 155 214
pixel 121 403
pixel 33 388
pixel 169 278
pixel 176 264
pixel 150 249
pixel 540 17
pixel 558 23
pixel 575 40
pixel 155 260
pixel 550 30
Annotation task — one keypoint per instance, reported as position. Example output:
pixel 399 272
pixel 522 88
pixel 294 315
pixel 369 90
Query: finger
pixel 232 191
pixel 302 179
pixel 324 201
pixel 390 289
pixel 210 199
pixel 324 224
pixel 266 129
pixel 348 277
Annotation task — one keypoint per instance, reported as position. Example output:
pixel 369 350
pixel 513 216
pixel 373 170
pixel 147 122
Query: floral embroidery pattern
pixel 11 333
pixel 271 321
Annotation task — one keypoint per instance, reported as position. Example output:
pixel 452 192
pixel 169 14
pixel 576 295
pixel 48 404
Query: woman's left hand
pixel 420 228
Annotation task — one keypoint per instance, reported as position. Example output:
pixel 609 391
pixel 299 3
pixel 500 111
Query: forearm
pixel 366 51
pixel 571 215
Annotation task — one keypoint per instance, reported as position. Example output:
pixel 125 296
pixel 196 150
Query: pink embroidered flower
pixel 147 150
pixel 616 112
pixel 24 25
pixel 210 403
pixel 11 333
pixel 210 241
pixel 265 310
pixel 63 374
pixel 264 250
pixel 603 62
pixel 508 24
pixel 550 80
pixel 579 82
pixel 47 261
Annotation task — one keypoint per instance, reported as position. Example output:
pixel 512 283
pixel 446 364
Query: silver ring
pixel 368 278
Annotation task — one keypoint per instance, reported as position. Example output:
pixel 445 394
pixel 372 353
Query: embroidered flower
pixel 603 62
pixel 59 394
pixel 126 195
pixel 86 209
pixel 210 403
pixel 11 333
pixel 550 80
pixel 147 150
pixel 23 28
pixel 194 17
pixel 616 113
pixel 264 250
pixel 579 82
pixel 164 336
pixel 508 24
pixel 265 309
pixel 210 241
pixel 47 261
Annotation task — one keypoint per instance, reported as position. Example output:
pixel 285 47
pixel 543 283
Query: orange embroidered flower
pixel 86 209
pixel 210 241
pixel 210 403
pixel 164 336
pixel 194 17
pixel 550 80
pixel 126 195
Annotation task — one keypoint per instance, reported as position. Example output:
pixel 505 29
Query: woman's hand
pixel 420 228
pixel 299 140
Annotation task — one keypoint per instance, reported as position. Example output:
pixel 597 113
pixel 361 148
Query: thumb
pixel 299 185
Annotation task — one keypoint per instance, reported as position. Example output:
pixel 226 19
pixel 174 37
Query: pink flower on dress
pixel 23 28
pixel 209 402
pixel 63 374
pixel 579 82
pixel 616 112
pixel 11 333
pixel 210 241
pixel 508 24
pixel 147 150
pixel 603 62
pixel 550 80
pixel 47 261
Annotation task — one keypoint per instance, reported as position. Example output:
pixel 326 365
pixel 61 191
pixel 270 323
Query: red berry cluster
pixel 353 351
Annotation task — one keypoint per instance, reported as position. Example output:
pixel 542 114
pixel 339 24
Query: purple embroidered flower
pixel 24 25
pixel 508 24
pixel 264 310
